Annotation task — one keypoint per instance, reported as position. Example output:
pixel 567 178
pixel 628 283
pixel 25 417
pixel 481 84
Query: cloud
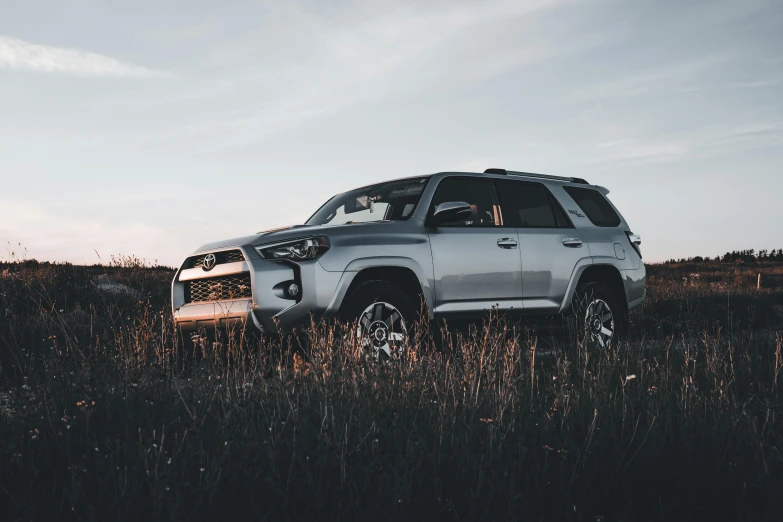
pixel 638 151
pixel 643 82
pixel 703 143
pixel 349 58
pixel 19 55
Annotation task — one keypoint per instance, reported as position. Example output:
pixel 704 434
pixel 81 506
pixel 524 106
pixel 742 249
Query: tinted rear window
pixel 595 206
pixel 530 205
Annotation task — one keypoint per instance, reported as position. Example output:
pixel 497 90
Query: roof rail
pixel 505 172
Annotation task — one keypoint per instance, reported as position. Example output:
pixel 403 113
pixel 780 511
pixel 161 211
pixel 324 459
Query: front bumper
pixel 217 314
pixel 268 309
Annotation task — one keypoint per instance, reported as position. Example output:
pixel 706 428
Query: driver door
pixel 477 263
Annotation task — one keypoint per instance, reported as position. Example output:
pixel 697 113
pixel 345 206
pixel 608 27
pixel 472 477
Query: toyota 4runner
pixel 458 243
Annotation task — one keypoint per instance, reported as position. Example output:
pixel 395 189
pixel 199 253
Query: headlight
pixel 297 250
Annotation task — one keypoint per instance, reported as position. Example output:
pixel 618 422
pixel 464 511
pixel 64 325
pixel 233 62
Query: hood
pixel 285 233
pixel 260 238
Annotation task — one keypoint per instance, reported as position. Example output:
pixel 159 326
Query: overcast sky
pixel 153 128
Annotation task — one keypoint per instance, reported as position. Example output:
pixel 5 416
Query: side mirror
pixel 451 212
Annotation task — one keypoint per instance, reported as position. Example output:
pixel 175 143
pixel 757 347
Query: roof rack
pixel 505 172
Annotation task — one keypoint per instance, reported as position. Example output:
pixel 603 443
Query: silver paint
pixel 462 271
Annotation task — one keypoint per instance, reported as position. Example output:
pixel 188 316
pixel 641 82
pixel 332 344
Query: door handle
pixel 573 242
pixel 507 242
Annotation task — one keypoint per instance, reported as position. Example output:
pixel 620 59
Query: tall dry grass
pixel 104 415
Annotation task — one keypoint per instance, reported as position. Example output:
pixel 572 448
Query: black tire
pixel 371 327
pixel 595 310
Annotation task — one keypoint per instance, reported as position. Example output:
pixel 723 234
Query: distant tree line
pixel 736 256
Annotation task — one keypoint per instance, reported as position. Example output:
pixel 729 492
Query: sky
pixel 151 127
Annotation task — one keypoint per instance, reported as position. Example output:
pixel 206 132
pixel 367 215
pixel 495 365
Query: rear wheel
pixel 383 316
pixel 600 321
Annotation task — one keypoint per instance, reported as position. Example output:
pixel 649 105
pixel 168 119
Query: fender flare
pixel 579 270
pixel 357 265
pixel 576 275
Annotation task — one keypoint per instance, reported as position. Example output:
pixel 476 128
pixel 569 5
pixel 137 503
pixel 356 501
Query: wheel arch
pixel 605 273
pixel 405 273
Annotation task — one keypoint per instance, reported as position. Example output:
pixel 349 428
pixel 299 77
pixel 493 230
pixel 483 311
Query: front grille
pixel 227 256
pixel 235 286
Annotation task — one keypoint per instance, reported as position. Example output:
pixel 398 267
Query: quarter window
pixel 479 194
pixel 595 206
pixel 531 205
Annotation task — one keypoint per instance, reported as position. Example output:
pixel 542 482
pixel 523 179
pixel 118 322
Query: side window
pixel 595 206
pixel 531 205
pixel 479 194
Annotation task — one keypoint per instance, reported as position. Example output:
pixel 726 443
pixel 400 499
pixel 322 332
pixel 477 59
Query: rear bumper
pixel 268 310
pixel 635 282
pixel 638 301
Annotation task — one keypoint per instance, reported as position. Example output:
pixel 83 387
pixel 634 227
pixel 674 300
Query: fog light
pixel 293 290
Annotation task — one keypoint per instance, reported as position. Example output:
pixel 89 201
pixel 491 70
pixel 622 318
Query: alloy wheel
pixel 382 331
pixel 599 324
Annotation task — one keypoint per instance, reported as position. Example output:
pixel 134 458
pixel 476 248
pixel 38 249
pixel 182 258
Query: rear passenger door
pixel 549 244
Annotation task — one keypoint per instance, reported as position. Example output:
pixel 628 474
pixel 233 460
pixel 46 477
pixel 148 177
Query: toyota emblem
pixel 209 261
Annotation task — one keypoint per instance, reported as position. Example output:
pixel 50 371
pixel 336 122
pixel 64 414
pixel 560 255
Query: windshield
pixel 391 201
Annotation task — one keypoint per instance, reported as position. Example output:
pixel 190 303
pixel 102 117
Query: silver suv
pixel 453 244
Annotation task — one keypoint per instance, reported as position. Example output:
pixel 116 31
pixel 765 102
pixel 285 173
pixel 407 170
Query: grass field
pixel 103 415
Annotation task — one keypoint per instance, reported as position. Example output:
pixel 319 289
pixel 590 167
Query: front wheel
pixel 383 315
